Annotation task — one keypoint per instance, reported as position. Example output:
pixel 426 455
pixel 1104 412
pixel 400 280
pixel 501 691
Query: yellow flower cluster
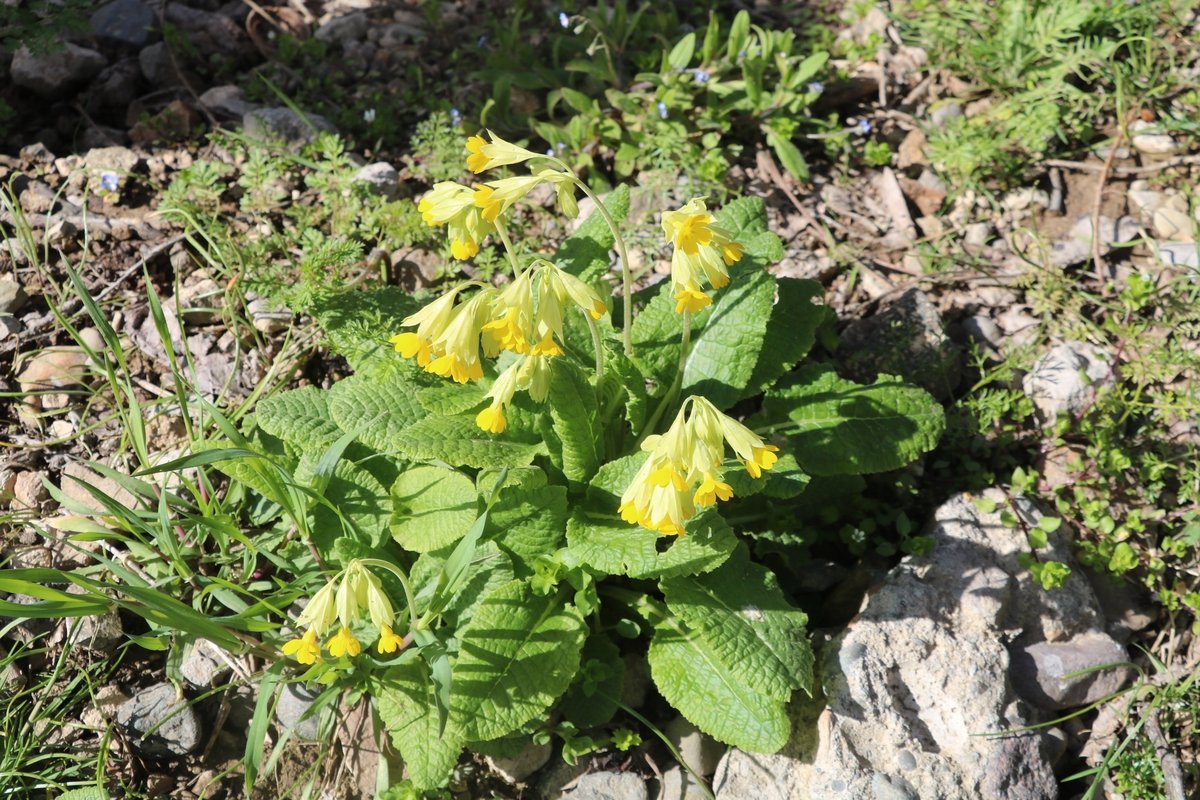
pixel 525 318
pixel 344 600
pixel 471 214
pixel 683 469
pixel 702 249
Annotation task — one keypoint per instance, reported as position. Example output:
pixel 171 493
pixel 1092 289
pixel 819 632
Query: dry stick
pixel 1097 257
pixel 1145 169
pixel 1172 772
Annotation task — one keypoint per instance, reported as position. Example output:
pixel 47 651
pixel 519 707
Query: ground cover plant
pixel 556 393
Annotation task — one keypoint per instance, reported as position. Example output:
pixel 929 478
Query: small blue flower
pixel 481 41
pixel 864 126
pixel 662 110
pixel 561 146
pixel 816 87
pixel 563 20
pixel 109 181
pixel 455 117
pixel 701 76
pixel 550 152
pixel 369 116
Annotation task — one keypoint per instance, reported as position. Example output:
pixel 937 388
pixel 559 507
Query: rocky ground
pixel 947 675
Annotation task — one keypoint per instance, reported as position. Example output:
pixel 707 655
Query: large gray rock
pixel 608 786
pixel 1077 672
pixel 1065 379
pixel 907 339
pixel 55 73
pixel 12 294
pixel 923 671
pixel 205 664
pixel 344 29
pixel 227 102
pixel 129 22
pixel 158 708
pixel 294 702
pixel 381 177
pixel 285 124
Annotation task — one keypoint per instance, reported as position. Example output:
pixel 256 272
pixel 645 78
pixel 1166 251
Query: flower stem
pixel 598 347
pixel 685 349
pixel 626 272
pixel 508 248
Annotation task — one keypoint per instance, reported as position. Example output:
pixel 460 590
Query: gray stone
pixel 1173 224
pixel 117 86
pixel 268 318
pixel 1065 380
pixel 12 294
pixel 678 784
pixel 205 665
pixel 100 633
pixel 29 491
pixel 381 177
pixel 347 28
pixel 76 474
pixel 983 330
pixel 285 124
pixel 129 22
pixel 157 66
pixel 699 751
pixel 201 301
pixel 1077 246
pixel 1045 673
pixel 37 153
pixel 905 339
pixel 923 670
pixel 608 786
pixel 227 102
pixel 518 768
pixel 206 31
pixel 118 160
pixel 944 112
pixel 1148 139
pixel 54 73
pixel 160 722
pixel 1123 604
pixel 10 328
pixel 1144 202
pixel 1182 255
pixel 294 700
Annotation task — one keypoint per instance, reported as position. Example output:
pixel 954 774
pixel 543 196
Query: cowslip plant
pixel 515 491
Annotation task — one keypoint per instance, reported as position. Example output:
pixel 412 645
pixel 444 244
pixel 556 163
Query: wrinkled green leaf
pixel 432 507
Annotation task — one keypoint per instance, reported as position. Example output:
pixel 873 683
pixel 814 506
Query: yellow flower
pixel 453 205
pixel 484 155
pixel 565 286
pixel 305 648
pixel 431 322
pixel 536 374
pixel 343 644
pixel 320 612
pixel 491 419
pixel 496 197
pixel 711 490
pixel 512 317
pixel 702 250
pixel 389 641
pixel 457 346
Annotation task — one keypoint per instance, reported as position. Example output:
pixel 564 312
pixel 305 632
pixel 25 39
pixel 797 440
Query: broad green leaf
pixel 432 507
pixel 407 703
pixel 622 377
pixel 657 337
pixel 608 544
pixel 789 155
pixel 357 494
pixel 459 442
pixel 745 218
pixel 744 620
pixel 783 481
pixel 585 253
pixel 529 522
pixel 377 408
pixel 593 697
pixel 575 419
pixel 517 655
pixel 723 356
pixel 450 398
pixel 809 67
pixel 834 426
pixel 487 569
pixel 739 33
pixel 681 54
pixel 86 793
pixel 791 331
pixel 300 417
pixel 713 695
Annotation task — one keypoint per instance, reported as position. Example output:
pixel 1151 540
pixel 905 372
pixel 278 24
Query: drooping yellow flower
pixel 484 155
pixel 457 347
pixel 305 649
pixel 389 641
pixel 702 250
pixel 491 419
pixel 431 322
pixel 566 286
pixel 512 318
pixel 343 644
pixel 320 612
pixel 453 205
pixel 664 493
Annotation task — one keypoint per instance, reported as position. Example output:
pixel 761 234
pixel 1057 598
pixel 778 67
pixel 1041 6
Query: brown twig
pixel 1145 169
pixel 1097 256
pixel 1172 772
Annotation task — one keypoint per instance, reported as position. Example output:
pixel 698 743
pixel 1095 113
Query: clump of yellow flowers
pixel 683 469
pixel 346 599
